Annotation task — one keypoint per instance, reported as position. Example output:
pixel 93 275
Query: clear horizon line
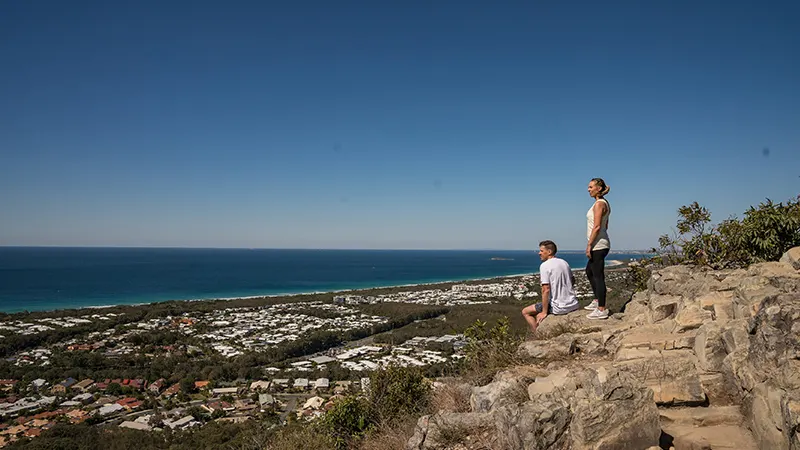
pixel 298 248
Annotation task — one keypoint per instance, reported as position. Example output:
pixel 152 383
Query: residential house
pixel 280 383
pixel 322 359
pixel 156 386
pixel 61 388
pixel 183 422
pixel 129 403
pixel 135 425
pixel 15 430
pixel 225 391
pixel 227 407
pixel 244 405
pixel 266 401
pixel 33 432
pixel 110 409
pixel 200 385
pixel 7 385
pixel 106 400
pixel 83 385
pixel 77 415
pixel 211 407
pixel 85 397
pixel 322 383
pixel 314 403
pixel 301 383
pixel 37 423
pixel 172 390
pixel 261 385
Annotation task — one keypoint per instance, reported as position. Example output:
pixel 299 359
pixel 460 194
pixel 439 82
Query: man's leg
pixel 529 313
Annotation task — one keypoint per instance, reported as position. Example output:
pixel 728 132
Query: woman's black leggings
pixel 595 272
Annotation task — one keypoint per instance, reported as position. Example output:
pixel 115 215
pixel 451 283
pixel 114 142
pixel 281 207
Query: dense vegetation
pixel 764 233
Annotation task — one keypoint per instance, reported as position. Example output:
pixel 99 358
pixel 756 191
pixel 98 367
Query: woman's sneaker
pixel 591 306
pixel 598 314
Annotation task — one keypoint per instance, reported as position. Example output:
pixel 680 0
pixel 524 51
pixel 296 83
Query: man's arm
pixel 545 302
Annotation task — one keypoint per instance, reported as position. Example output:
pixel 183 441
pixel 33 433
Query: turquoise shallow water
pixel 46 278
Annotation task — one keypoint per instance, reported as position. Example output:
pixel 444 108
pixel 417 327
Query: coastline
pixel 611 265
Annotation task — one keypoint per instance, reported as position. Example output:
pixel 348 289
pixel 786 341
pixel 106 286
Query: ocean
pixel 49 278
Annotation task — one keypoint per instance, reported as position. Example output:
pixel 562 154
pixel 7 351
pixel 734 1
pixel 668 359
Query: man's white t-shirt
pixel 556 273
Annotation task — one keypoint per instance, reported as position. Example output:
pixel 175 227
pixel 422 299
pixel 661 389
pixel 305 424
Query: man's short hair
pixel 550 245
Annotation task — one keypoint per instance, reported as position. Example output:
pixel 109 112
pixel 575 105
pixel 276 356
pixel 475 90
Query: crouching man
pixel 558 292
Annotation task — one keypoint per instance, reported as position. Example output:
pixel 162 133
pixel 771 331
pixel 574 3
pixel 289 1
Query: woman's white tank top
pixel 603 241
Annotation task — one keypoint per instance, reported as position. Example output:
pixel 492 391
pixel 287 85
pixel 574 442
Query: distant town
pixel 294 386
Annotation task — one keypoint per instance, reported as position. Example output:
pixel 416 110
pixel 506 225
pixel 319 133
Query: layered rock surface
pixel 702 359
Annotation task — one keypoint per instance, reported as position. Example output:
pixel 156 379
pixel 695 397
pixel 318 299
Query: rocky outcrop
pixel 587 409
pixel 702 359
pixel 613 411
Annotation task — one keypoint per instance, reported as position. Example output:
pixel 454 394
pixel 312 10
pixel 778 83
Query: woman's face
pixel 594 189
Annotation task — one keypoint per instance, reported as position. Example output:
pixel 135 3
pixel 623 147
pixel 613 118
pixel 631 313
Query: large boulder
pixel 772 269
pixel 485 398
pixel 672 375
pixel 709 347
pixel 613 411
pixel 669 280
pixel 751 294
pixel 445 429
pixel 775 338
pixel 561 382
pixel 762 407
pixel 663 307
pixel 691 317
pixel 735 336
pixel 792 258
pixel 559 347
pixel 790 410
pixel 719 303
pixel 540 425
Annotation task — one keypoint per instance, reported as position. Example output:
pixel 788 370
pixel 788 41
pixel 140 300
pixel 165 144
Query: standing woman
pixel 598 247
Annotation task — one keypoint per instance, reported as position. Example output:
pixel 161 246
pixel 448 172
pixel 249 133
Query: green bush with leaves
pixel 490 349
pixel 348 420
pixel 394 395
pixel 763 234
pixel 397 392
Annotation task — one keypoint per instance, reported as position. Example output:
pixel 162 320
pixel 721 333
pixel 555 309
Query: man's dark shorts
pixel 538 307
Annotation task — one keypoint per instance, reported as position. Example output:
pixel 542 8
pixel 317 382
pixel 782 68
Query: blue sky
pixel 388 124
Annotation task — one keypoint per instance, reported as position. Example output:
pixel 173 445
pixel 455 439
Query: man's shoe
pixel 598 314
pixel 591 306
